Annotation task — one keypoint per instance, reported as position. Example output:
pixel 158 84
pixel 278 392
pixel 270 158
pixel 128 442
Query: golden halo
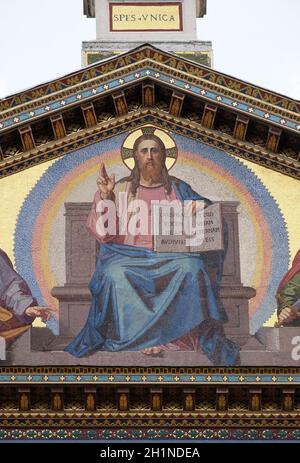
pixel 170 145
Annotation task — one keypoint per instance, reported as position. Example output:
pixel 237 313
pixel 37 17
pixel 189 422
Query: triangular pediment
pixel 120 92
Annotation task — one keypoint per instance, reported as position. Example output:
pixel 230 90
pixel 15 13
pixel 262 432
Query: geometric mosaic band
pixel 153 434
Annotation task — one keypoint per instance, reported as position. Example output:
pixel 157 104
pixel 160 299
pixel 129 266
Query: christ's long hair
pixel 134 177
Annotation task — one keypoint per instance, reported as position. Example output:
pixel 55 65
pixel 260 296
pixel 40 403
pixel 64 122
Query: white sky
pixel 254 40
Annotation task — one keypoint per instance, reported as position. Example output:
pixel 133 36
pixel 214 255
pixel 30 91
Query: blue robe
pixel 142 298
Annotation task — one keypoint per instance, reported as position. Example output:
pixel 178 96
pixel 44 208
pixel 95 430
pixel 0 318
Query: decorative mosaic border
pixel 177 83
pixel 223 434
pixel 109 377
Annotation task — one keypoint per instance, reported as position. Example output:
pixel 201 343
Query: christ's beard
pixel 152 172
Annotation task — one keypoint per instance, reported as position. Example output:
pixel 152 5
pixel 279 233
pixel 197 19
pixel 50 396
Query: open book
pixel 175 231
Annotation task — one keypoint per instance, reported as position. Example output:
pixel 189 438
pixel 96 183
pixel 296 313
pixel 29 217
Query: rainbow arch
pixel 39 210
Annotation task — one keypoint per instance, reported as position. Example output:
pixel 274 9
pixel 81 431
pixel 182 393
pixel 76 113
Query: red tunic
pixel 188 342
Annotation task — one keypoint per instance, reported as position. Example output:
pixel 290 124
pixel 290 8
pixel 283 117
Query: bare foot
pixel 152 350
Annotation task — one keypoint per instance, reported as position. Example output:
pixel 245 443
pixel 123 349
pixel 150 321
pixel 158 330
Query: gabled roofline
pixel 144 47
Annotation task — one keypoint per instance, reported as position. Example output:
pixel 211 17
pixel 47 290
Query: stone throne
pixel 81 253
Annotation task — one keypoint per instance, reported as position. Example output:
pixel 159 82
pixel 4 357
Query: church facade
pixel 226 142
